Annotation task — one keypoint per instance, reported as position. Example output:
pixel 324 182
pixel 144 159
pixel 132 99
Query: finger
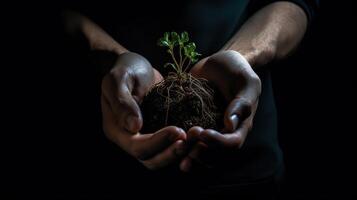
pixel 158 77
pixel 136 72
pixel 110 127
pixel 194 157
pixel 237 111
pixel 122 103
pixel 193 134
pixel 139 146
pixel 233 140
pixel 147 145
pixel 140 80
pixel 186 164
pixel 196 70
pixel 129 113
pixel 108 87
pixel 143 83
pixel 107 118
pixel 197 151
pixel 167 157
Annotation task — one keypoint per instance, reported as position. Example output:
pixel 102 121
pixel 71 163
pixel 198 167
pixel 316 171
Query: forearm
pixel 97 39
pixel 271 33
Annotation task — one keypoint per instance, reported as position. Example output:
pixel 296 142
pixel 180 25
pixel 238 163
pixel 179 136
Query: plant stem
pixel 189 63
pixel 173 58
pixel 181 64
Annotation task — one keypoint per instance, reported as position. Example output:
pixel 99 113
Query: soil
pixel 183 101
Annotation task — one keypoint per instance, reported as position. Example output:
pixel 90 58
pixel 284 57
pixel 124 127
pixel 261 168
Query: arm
pixel 271 33
pixel 129 79
pixel 78 25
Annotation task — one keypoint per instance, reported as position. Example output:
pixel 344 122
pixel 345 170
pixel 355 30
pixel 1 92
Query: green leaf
pixel 166 36
pixel 162 42
pixel 189 48
pixel 174 38
pixel 189 51
pixel 184 37
pixel 185 51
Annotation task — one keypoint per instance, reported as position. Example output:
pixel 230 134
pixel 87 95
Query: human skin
pixel 123 88
pixel 270 34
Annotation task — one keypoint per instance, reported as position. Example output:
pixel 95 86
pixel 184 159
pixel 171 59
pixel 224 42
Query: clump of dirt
pixel 180 100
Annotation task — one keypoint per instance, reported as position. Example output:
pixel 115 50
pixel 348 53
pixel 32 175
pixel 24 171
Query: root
pixel 176 87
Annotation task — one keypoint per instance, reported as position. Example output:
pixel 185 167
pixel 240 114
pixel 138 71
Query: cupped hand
pixel 122 91
pixel 241 87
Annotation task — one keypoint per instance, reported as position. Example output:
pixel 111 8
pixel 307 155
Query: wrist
pixel 246 58
pixel 257 57
pixel 111 47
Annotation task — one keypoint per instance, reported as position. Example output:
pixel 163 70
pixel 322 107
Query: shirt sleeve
pixel 310 7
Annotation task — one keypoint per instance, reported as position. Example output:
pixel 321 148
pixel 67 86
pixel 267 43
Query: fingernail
pixel 180 148
pixel 234 119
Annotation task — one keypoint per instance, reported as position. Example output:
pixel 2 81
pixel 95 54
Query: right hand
pixel 122 91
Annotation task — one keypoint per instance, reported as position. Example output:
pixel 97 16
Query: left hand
pixel 240 86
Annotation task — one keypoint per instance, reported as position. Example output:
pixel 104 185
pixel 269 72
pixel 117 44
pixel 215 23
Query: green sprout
pixel 186 50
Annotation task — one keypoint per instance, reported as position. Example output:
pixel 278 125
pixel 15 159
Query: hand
pixel 122 91
pixel 240 86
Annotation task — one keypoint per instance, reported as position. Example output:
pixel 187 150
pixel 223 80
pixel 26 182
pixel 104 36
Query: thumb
pixel 122 104
pixel 129 112
pixel 196 70
pixel 237 111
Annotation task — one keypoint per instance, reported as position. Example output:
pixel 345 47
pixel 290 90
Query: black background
pixel 53 148
pixel 315 92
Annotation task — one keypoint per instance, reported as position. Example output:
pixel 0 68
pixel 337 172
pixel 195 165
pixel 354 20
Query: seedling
pixel 180 99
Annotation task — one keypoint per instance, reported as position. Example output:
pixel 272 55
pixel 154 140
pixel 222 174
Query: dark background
pixel 315 91
pixel 49 105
